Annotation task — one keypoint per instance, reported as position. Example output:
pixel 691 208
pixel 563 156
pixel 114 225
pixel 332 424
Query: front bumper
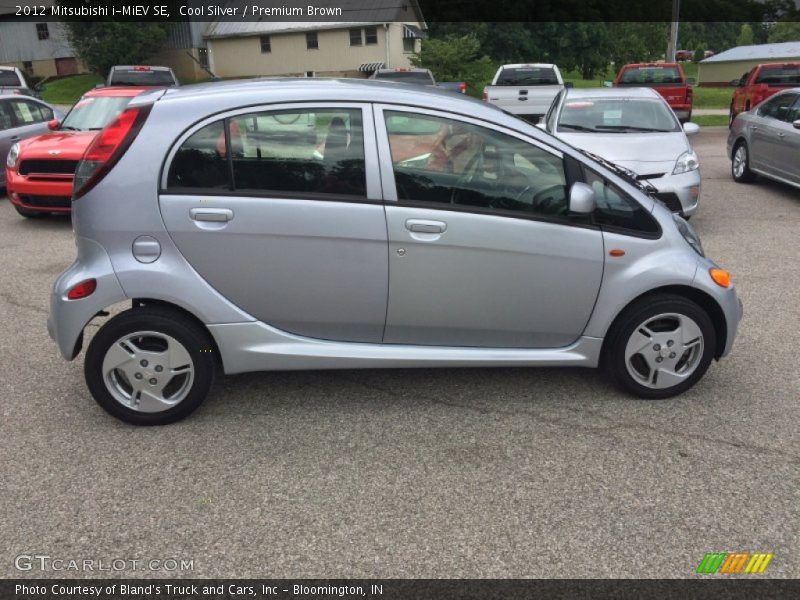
pixel 69 317
pixel 46 195
pixel 727 298
pixel 680 193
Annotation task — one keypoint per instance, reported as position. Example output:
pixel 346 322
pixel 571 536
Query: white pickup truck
pixel 526 90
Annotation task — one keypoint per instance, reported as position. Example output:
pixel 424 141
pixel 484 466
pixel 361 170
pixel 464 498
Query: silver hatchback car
pixel 418 228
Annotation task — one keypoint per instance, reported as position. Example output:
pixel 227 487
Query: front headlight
pixel 13 155
pixel 686 162
pixel 689 234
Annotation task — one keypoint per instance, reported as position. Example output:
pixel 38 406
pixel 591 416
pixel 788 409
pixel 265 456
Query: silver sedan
pixel 22 117
pixel 766 140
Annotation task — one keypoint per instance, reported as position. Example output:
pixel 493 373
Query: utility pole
pixel 672 45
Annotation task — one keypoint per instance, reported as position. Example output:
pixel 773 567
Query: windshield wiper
pixel 70 128
pixel 575 127
pixel 632 128
pixel 626 174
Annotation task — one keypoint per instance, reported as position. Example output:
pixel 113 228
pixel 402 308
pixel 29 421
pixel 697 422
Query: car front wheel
pixel 740 164
pixel 150 366
pixel 660 346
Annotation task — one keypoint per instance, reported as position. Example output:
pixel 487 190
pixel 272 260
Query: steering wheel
pixel 551 201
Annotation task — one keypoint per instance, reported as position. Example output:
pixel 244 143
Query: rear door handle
pixel 215 215
pixel 425 226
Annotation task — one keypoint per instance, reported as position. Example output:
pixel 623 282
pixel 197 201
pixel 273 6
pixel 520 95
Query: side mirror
pixel 796 124
pixel 607 83
pixel 581 199
pixel 569 85
pixel 736 82
pixel 691 128
pixel 53 124
pixel 691 81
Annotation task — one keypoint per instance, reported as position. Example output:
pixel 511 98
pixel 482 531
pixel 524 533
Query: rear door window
pixel 301 153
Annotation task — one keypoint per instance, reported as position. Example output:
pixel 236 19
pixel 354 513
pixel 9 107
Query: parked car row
pixel 170 188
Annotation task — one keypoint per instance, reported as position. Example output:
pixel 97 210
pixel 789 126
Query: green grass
pixel 69 89
pixel 708 97
pixel 710 120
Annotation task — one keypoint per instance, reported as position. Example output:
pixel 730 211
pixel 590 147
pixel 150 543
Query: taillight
pixel 82 290
pixel 107 148
pixel 689 94
pixel 485 95
pixel 462 87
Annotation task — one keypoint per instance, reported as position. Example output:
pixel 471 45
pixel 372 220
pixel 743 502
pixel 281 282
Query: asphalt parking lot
pixel 419 473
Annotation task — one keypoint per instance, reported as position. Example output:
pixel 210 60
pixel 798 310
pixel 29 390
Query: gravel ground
pixel 418 473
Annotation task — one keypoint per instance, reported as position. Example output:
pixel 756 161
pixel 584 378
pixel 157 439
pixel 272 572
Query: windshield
pixel 528 76
pixel 91 114
pixel 134 77
pixel 788 76
pixel 651 75
pixel 9 78
pixel 418 77
pixel 616 115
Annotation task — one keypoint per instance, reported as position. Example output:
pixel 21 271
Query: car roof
pixel 242 92
pixel 780 64
pixel 132 67
pixel 118 91
pixel 672 64
pixel 523 65
pixel 21 96
pixel 616 92
pixel 403 70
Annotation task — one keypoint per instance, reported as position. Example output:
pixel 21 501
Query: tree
pixel 456 59
pixel 102 44
pixel 745 36
pixel 784 31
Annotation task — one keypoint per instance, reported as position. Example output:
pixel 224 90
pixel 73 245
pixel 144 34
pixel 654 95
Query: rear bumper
pixel 684 112
pixel 68 317
pixel 44 195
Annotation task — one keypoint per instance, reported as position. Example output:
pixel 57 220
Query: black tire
pixel 746 175
pixel 28 213
pixel 193 337
pixel 626 324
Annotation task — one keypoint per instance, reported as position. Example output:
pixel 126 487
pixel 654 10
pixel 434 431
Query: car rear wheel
pixel 150 366
pixel 740 164
pixel 660 346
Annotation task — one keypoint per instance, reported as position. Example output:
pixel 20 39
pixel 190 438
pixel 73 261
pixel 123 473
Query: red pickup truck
pixel 665 78
pixel 761 82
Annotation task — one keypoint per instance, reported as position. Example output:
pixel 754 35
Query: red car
pixel 761 82
pixel 40 180
pixel 666 78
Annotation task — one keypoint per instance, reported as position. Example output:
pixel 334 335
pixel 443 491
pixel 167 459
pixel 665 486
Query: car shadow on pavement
pixel 483 390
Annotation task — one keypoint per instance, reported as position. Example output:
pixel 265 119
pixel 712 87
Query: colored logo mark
pixel 734 562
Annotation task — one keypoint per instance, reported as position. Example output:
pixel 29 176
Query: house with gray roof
pixel 719 70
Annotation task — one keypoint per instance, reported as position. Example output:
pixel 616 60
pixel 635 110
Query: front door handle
pixel 425 226
pixel 781 134
pixel 215 215
pixel 14 138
